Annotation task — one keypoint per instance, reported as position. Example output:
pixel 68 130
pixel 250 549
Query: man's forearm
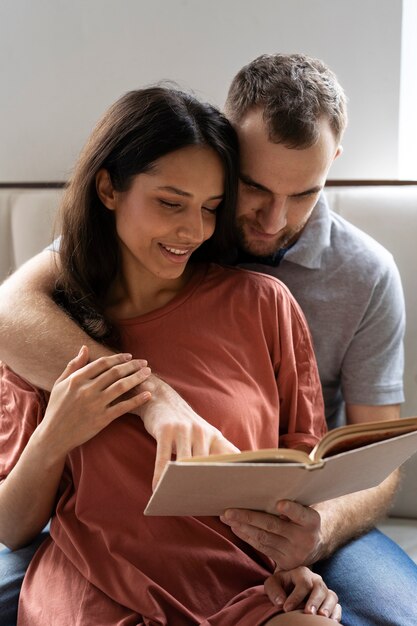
pixel 350 516
pixel 37 339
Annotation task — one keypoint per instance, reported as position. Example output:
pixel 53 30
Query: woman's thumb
pixel 76 363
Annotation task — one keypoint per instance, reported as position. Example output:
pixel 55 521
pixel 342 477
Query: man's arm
pixel 300 535
pixel 352 515
pixel 38 339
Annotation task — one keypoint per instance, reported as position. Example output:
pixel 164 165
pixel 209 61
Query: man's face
pixel 279 186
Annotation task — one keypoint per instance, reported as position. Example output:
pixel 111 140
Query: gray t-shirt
pixel 350 291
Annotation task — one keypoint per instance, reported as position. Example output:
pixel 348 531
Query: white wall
pixel 62 62
pixel 407 161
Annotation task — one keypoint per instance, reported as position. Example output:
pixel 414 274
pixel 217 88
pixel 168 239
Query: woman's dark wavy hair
pixel 141 127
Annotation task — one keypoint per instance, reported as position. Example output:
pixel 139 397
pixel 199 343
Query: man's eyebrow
pixel 307 192
pixel 248 181
pixel 186 194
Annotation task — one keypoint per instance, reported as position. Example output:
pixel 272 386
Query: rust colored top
pixel 235 345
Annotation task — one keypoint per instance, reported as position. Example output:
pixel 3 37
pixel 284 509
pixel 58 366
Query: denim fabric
pixel 12 570
pixel 375 580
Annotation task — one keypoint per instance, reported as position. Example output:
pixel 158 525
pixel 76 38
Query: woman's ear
pixel 105 189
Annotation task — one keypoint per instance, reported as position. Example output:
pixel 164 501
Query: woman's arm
pixel 84 400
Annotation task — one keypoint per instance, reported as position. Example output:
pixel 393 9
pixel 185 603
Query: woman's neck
pixel 137 295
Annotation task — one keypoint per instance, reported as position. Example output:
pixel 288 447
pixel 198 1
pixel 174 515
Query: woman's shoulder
pixel 255 281
pixel 14 388
pixel 273 298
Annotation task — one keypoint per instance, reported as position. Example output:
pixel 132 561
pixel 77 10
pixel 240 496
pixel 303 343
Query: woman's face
pixel 167 213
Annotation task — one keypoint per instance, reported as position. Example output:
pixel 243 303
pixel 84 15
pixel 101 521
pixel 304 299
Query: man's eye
pixel 250 186
pixel 305 196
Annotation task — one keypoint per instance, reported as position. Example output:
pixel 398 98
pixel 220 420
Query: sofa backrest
pixel 387 213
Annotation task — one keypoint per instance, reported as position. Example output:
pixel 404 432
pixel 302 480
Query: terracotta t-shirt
pixel 235 345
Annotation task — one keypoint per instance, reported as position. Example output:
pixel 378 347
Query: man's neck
pixel 272 260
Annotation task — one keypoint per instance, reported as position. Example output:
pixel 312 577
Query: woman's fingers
pixel 118 371
pixel 275 590
pixel 182 439
pixel 304 585
pixel 128 405
pixel 337 613
pixel 328 604
pixel 164 450
pixel 292 589
pixel 220 445
pixel 104 364
pixel 79 361
pixel 125 383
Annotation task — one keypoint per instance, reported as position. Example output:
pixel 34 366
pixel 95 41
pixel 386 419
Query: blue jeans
pixel 13 566
pixel 375 580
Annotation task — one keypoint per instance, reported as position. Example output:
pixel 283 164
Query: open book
pixel 347 459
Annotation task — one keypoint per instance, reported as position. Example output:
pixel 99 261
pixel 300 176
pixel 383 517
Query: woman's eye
pixel 170 205
pixel 210 209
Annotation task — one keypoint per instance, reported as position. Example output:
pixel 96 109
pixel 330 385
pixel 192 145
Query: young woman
pixel 149 207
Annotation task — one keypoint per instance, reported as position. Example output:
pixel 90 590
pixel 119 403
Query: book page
pixel 358 435
pixel 265 455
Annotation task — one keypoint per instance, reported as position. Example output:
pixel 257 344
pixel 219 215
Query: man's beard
pixel 260 248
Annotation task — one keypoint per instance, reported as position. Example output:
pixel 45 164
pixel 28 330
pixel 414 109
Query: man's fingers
pixel 262 528
pixel 288 543
pixel 297 513
pixel 268 542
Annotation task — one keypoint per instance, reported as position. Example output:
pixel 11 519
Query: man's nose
pixel 273 215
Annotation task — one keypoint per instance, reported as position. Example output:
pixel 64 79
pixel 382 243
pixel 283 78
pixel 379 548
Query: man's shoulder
pixel 350 244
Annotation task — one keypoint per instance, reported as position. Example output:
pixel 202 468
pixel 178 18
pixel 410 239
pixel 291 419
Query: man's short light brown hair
pixel 295 93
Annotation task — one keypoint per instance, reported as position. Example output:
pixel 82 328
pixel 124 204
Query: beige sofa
pixel 388 213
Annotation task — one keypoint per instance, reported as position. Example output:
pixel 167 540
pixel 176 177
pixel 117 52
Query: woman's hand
pixel 300 588
pixel 177 429
pixel 88 396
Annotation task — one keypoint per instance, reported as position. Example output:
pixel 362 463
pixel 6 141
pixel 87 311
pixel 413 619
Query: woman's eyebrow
pixel 181 192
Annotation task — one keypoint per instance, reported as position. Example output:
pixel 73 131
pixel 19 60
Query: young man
pixel 290 114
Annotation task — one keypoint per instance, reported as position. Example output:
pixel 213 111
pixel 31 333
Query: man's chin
pixel 249 243
pixel 263 248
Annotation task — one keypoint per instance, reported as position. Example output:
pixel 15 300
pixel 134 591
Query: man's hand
pixel 177 429
pixel 301 588
pixel 291 537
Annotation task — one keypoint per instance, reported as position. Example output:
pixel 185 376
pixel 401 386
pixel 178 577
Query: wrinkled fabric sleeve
pixel 372 368
pixel 302 419
pixel 21 410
